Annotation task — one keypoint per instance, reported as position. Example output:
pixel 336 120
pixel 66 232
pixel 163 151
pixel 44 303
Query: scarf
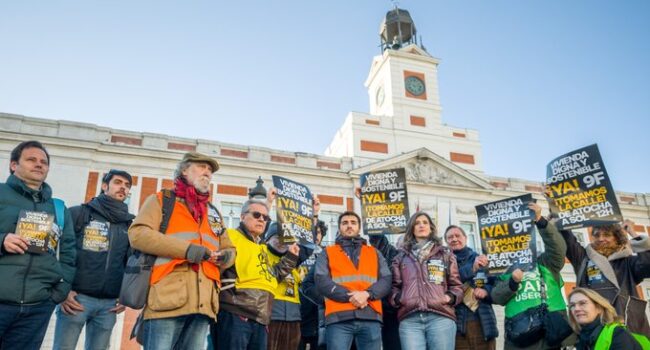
pixel 421 250
pixel 605 250
pixel 112 209
pixel 462 255
pixel 587 335
pixel 196 202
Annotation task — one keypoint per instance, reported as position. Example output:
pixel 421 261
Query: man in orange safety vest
pixel 352 277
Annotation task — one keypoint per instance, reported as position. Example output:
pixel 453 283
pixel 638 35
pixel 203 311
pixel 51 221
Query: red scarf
pixel 196 202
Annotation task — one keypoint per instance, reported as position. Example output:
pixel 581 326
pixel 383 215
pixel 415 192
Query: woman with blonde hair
pixel 597 324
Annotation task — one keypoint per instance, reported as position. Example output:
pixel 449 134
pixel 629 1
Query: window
pixel 331 220
pixel 473 240
pixel 231 213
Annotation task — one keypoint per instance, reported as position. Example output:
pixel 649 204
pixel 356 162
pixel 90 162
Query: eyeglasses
pixel 257 215
pixel 581 304
pixel 602 233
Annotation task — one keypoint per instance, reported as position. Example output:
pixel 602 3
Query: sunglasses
pixel 257 215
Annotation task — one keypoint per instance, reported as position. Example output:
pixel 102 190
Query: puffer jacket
pixel 485 313
pixel 254 304
pixel 412 290
pixel 33 278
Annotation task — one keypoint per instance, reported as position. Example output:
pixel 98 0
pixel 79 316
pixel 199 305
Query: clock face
pixel 414 85
pixel 380 96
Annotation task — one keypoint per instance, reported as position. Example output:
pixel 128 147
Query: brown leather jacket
pixel 254 304
pixel 421 286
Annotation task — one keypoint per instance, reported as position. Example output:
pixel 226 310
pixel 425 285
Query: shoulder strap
pixel 168 201
pixel 581 270
pixel 59 213
pixel 223 224
pixel 82 219
pixel 542 285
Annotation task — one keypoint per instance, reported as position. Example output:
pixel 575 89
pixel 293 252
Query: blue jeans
pixel 97 318
pixel 365 334
pixel 427 330
pixel 232 332
pixel 182 332
pixel 23 326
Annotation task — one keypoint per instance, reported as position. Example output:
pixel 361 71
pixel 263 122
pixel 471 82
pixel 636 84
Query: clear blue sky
pixel 536 78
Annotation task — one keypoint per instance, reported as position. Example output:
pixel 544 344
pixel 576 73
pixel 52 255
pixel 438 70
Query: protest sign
pixel 96 236
pixel 507 234
pixel 384 201
pixel 579 191
pixel 36 227
pixel 295 212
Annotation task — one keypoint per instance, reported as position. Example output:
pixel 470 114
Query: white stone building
pixel 402 129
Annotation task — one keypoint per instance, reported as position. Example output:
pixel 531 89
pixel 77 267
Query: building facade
pixel 403 129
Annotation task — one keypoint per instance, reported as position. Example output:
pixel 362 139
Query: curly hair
pixel 615 229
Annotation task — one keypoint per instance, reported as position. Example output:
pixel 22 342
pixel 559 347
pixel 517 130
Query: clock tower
pixel 405 111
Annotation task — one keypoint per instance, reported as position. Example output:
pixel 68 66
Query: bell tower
pixel 403 80
pixel 404 105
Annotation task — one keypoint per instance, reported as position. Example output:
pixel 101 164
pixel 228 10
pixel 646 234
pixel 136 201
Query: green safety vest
pixel 529 292
pixel 605 338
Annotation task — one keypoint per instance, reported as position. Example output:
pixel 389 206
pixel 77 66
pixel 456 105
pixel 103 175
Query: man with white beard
pixel 183 230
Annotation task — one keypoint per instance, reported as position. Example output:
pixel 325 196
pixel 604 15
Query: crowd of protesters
pixel 241 288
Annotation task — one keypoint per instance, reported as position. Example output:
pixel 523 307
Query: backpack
pixel 59 214
pixel 137 273
pixel 82 219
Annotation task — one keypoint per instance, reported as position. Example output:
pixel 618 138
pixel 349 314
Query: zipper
pixel 198 272
pixel 108 253
pixel 29 267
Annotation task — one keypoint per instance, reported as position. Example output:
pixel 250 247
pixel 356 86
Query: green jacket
pixel 33 278
pixel 552 259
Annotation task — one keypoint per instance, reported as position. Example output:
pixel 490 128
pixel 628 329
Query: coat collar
pixel 41 195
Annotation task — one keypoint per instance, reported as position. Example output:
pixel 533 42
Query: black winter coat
pixel 100 265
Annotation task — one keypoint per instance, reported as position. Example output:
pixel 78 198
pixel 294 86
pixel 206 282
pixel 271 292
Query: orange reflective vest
pixel 182 226
pixel 346 274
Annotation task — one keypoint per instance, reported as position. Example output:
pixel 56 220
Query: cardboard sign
pixel 507 234
pixel 384 202
pixel 579 190
pixel 295 212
